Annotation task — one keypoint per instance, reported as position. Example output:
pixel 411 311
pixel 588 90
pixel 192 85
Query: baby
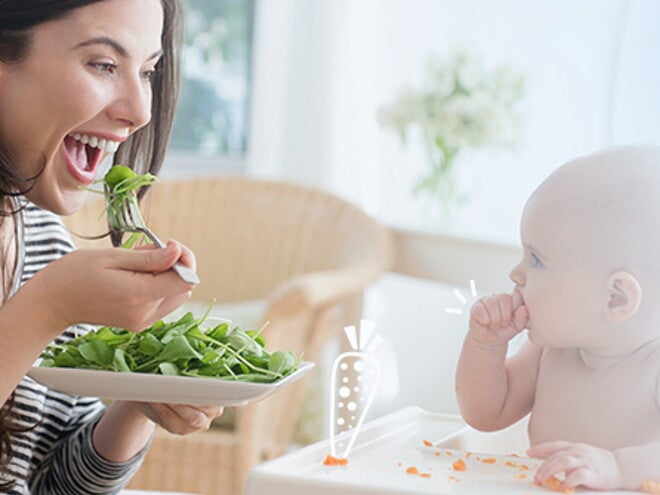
pixel 588 291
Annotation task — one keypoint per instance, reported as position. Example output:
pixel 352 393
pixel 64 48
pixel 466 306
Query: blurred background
pixel 300 89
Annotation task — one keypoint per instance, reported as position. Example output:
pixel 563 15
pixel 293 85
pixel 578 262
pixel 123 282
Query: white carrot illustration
pixel 355 379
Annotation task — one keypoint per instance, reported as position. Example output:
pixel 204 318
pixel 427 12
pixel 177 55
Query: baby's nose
pixel 517 277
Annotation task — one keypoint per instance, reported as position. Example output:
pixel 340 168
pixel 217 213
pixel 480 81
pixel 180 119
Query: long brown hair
pixel 144 150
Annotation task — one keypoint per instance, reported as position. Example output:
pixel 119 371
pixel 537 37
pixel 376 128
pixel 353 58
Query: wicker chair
pixel 309 255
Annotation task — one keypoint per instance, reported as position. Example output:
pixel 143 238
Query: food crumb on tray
pixel 556 485
pixel 651 487
pixel 335 461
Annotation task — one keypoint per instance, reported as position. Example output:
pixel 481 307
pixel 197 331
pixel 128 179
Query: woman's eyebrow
pixel 115 45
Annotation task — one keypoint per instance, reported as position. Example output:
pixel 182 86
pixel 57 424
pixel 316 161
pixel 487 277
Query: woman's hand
pixel 127 426
pixel 129 289
pixel 497 318
pixel 582 465
pixel 180 419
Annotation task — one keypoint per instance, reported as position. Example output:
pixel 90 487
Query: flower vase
pixel 439 193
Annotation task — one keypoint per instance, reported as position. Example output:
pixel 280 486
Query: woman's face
pixel 83 88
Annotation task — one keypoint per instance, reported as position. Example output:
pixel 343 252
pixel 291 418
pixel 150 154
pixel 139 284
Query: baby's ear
pixel 625 296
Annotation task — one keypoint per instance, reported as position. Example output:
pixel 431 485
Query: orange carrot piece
pixel 489 460
pixel 556 485
pixel 651 487
pixel 427 443
pixel 412 470
pixel 459 465
pixel 425 475
pixel 335 461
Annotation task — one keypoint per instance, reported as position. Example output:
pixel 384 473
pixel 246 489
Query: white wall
pixel 324 67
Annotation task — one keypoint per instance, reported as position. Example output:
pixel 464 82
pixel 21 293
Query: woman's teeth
pixel 102 144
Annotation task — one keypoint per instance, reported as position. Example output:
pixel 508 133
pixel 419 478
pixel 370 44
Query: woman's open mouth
pixel 83 153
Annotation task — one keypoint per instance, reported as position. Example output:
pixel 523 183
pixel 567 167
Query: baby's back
pixel 609 405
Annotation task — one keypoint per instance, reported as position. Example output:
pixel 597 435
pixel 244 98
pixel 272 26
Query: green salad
pixel 182 347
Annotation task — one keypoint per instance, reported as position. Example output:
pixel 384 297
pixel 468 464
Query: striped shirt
pixel 56 457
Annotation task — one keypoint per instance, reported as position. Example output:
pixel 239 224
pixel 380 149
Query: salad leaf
pixel 184 347
pixel 120 188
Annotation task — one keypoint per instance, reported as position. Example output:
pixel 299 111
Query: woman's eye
pixel 148 75
pixel 536 261
pixel 107 67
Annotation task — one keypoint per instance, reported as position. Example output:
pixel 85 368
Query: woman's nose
pixel 133 103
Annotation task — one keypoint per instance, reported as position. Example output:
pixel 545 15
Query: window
pixel 211 124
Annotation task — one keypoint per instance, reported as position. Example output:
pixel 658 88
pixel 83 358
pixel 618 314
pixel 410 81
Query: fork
pixel 124 216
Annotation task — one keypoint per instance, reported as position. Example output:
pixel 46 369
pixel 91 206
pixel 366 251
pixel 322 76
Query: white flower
pixel 460 105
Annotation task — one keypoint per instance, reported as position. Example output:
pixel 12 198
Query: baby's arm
pixel 625 468
pixel 494 392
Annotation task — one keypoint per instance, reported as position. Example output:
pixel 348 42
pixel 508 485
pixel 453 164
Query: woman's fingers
pixel 184 419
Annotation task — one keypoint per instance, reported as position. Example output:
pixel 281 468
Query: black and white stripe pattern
pixel 56 456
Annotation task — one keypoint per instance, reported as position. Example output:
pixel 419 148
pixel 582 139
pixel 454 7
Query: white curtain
pixel 310 109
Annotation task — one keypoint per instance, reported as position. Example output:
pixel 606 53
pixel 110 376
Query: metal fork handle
pixel 133 221
pixel 186 274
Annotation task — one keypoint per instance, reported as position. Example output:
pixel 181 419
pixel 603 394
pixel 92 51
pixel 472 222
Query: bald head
pixel 606 206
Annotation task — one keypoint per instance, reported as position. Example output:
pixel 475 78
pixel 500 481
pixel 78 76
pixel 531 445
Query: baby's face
pixel 592 218
pixel 563 293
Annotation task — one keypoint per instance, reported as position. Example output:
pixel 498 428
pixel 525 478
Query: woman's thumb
pixel 151 260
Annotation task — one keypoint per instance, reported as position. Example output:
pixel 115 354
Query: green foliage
pixel 212 114
pixel 120 188
pixel 182 347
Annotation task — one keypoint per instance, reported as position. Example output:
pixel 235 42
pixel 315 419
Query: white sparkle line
pixel 473 288
pixel 454 311
pixel 460 296
pixel 351 334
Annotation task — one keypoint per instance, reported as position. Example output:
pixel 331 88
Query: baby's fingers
pixel 500 309
pixel 543 450
pixel 520 317
pixel 556 464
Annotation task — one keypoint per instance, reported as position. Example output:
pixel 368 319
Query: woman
pixel 79 80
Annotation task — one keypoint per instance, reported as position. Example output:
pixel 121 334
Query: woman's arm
pixel 126 427
pixel 118 287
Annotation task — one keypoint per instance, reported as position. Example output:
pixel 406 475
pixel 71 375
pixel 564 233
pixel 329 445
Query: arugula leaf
pixel 183 347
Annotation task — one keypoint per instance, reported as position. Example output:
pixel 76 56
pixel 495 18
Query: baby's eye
pixel 536 261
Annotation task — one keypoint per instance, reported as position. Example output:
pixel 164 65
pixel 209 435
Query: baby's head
pixel 590 275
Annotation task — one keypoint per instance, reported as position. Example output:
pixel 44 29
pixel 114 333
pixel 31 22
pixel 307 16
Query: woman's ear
pixel 625 296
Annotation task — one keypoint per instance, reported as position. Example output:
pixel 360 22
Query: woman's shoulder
pixel 43 226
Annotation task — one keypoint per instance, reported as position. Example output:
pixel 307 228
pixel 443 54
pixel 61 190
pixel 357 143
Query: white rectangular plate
pixel 160 388
pixel 385 449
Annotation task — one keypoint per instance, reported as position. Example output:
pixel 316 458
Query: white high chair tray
pixel 146 387
pixel 385 449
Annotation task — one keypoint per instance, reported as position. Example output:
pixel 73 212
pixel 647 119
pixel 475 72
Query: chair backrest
pixel 250 235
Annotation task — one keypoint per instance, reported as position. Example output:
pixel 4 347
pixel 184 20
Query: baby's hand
pixel 582 465
pixel 496 319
